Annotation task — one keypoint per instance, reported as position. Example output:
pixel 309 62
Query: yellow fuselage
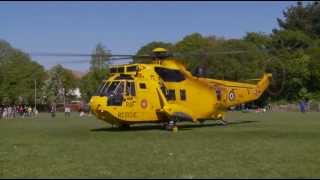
pixel 164 90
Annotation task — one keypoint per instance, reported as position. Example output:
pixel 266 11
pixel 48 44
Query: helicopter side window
pixel 163 89
pixel 183 96
pixel 143 86
pixel 169 75
pixel 218 92
pixel 171 94
pixel 130 90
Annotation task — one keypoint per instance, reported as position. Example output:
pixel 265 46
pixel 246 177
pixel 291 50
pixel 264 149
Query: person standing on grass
pixel 29 111
pixel 24 111
pixel 21 110
pixel 302 106
pixel 35 112
pixel 67 111
pixel 1 110
pixel 5 112
pixel 53 110
pixel 9 112
pixel 14 111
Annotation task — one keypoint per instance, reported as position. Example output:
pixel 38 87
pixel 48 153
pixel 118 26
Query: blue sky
pixel 123 27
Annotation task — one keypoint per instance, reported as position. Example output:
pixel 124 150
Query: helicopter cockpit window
pixel 119 89
pixel 103 89
pixel 130 90
pixel 115 93
pixel 169 75
pixel 111 88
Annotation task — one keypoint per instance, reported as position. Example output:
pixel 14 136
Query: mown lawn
pixel 266 145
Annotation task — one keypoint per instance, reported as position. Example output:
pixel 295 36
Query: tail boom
pixel 235 93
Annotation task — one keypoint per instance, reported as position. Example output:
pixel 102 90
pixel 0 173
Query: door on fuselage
pixel 131 108
pixel 129 95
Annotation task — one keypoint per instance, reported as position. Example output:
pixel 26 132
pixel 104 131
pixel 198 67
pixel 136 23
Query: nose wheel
pixel 221 118
pixel 172 125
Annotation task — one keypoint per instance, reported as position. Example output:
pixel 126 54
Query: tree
pixel 297 45
pixel 100 57
pixel 193 49
pixel 291 40
pixel 246 64
pixel 60 84
pixel 90 83
pixel 261 40
pixel 289 48
pixel 92 80
pixel 17 75
pixel 313 82
pixel 302 18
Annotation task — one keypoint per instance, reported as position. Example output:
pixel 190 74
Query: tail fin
pixel 264 82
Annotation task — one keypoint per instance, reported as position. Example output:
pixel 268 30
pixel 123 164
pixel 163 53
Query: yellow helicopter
pixel 164 91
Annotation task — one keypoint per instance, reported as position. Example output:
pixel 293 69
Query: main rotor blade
pixel 88 55
pixel 88 61
pixel 211 53
pixel 230 52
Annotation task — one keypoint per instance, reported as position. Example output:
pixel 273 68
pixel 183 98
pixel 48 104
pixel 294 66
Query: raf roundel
pixel 144 103
pixel 232 96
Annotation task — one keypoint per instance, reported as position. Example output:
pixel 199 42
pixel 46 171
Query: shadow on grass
pixel 147 127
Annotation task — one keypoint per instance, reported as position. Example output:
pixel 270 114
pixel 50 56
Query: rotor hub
pixel 160 53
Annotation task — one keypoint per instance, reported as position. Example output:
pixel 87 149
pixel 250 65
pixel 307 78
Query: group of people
pixel 13 111
pixel 67 111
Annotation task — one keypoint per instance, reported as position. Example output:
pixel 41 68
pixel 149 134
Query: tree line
pixel 24 81
pixel 293 48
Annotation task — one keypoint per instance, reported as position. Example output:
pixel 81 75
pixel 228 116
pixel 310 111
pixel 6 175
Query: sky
pixel 124 27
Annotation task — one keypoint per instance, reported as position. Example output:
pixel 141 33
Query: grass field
pixel 269 145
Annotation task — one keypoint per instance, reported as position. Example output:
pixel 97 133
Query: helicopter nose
pixel 96 102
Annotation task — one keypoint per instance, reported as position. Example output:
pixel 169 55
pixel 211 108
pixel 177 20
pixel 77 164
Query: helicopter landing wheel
pixel 171 126
pixel 222 120
pixel 224 123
